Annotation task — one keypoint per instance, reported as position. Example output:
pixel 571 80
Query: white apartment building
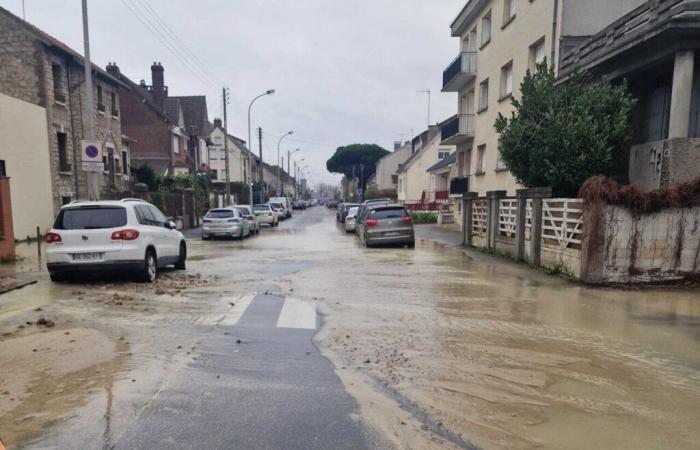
pixel 239 164
pixel 499 41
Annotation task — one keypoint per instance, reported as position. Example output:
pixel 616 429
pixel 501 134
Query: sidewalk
pixel 447 234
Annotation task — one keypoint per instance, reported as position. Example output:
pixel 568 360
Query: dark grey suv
pixel 387 224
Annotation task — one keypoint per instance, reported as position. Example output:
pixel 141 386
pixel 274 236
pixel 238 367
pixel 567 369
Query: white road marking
pixel 239 306
pixel 297 314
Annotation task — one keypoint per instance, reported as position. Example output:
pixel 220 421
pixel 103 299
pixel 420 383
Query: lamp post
pixel 297 164
pixel 279 168
pixel 289 158
pixel 250 145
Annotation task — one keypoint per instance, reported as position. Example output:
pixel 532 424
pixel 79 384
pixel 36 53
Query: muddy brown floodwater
pixel 442 348
pixel 502 356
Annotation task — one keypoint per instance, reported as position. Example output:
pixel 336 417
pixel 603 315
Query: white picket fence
pixel 479 218
pixel 507 214
pixel 562 223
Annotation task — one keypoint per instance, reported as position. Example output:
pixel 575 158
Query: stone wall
pixel 625 248
pixel 26 73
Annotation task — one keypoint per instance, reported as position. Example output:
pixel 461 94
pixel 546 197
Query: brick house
pixel 41 70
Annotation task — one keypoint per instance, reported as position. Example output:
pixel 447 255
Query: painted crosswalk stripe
pixel 236 312
pixel 297 314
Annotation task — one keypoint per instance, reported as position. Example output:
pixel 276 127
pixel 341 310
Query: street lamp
pixel 279 169
pixel 297 165
pixel 250 144
pixel 289 158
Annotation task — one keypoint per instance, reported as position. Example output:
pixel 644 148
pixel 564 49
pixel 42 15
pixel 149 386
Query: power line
pixel 164 40
pixel 185 50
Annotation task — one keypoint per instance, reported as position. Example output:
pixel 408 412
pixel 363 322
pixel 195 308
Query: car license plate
pixel 392 233
pixel 87 256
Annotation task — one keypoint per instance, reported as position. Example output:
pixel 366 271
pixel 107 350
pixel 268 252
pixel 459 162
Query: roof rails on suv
pixel 124 200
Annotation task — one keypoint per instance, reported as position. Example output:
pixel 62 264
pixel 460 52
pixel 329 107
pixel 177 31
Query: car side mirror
pixel 170 225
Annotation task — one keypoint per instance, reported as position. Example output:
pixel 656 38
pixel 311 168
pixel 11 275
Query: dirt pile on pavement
pixel 49 371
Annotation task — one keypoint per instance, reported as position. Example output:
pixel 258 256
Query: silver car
pixel 350 219
pixel 266 215
pixel 224 222
pixel 249 215
pixel 387 224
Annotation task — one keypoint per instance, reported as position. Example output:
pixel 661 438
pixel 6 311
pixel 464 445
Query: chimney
pixel 397 145
pixel 158 85
pixel 217 123
pixel 113 69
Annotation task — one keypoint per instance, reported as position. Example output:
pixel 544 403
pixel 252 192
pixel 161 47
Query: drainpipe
pixel 555 17
pixel 72 133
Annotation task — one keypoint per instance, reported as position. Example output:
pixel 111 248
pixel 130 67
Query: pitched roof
pixel 194 112
pixel 54 43
pixel 138 90
pixel 444 162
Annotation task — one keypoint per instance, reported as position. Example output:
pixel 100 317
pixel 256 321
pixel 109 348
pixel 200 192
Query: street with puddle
pixel 301 338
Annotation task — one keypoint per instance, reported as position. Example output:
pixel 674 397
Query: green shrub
pixel 421 217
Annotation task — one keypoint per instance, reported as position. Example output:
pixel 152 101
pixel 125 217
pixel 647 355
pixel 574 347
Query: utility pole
pixel 89 114
pixel 226 157
pixel 262 168
pixel 282 177
pixel 195 154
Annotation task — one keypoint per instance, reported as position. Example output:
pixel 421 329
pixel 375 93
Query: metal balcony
pixel 458 130
pixel 460 72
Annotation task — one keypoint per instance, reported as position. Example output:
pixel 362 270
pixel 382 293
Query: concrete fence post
pixel 493 199
pixel 521 222
pixel 537 195
pixel 468 218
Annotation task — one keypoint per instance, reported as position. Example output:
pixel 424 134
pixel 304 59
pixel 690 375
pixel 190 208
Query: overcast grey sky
pixel 345 71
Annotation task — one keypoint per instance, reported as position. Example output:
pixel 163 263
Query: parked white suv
pixel 113 236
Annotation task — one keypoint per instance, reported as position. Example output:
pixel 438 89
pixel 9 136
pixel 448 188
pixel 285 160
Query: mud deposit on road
pixel 495 355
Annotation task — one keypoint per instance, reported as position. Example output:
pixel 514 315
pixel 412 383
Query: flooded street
pixel 435 347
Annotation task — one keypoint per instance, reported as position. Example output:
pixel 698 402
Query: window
pixel 499 162
pixel 486 29
pixel 61 142
pixel 483 95
pixel 125 162
pixel 3 170
pixel 113 103
pixel 158 216
pixel 442 154
pixel 508 11
pixel 537 54
pixel 100 99
pixel 481 156
pixel 66 199
pixel 176 144
pixel 90 218
pixel 507 80
pixel 57 76
pixel 105 163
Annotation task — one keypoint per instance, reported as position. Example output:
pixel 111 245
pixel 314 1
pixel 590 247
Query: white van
pixel 284 201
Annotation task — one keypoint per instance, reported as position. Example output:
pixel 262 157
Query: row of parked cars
pixel 377 222
pixel 133 236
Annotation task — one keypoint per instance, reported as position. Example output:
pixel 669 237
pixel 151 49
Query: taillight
pixel 371 222
pixel 407 220
pixel 125 235
pixel 53 238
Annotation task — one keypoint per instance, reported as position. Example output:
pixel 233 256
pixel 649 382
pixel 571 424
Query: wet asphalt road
pixel 257 385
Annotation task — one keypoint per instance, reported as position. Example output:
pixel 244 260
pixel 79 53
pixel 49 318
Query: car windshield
pixel 243 211
pixel 88 218
pixel 220 214
pixel 352 211
pixel 388 213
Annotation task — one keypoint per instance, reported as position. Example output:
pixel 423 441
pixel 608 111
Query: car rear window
pixel 261 208
pixel 276 205
pixel 220 214
pixel 90 218
pixel 388 213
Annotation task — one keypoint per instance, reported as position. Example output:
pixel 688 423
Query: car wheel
pixel 411 244
pixel 180 264
pixel 57 277
pixel 205 238
pixel 149 272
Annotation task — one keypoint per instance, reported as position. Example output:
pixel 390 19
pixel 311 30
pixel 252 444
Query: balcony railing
pixel 459 129
pixel 459 72
pixel 459 186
